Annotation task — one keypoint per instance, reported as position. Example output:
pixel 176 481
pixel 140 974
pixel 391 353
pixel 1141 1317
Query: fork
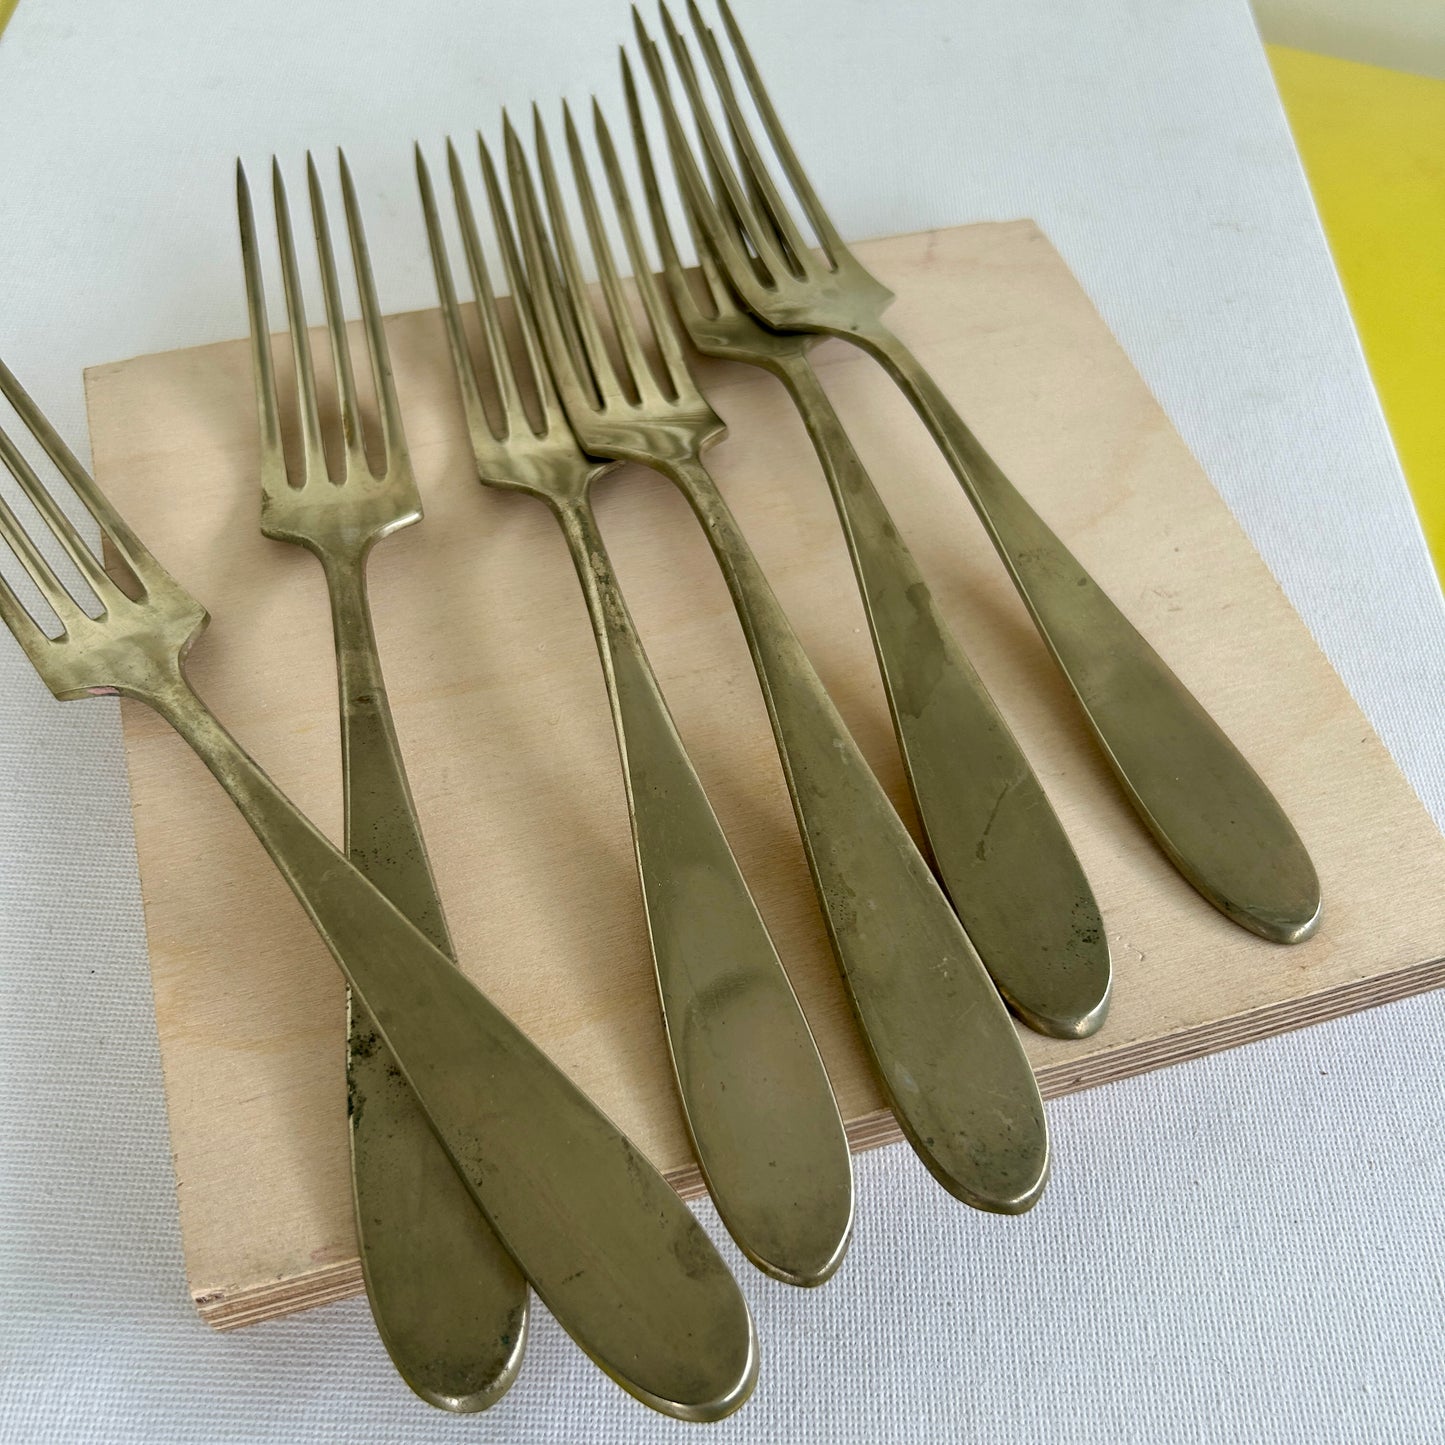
pixel 996 841
pixel 1205 805
pixel 447 1299
pixel 605 1241
pixel 946 1050
pixel 757 1102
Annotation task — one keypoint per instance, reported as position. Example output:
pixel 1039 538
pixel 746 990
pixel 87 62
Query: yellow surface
pixel 7 9
pixel 1373 143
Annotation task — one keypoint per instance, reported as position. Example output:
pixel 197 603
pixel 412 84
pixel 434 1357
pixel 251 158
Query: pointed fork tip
pixel 348 189
pixel 243 194
pixel 730 24
pixel 640 30
pixel 511 141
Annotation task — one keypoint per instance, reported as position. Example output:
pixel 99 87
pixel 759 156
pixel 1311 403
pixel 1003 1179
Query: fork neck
pixel 687 471
pixel 306 860
pixel 168 691
pixel 696 483
pixel 977 472
pixel 894 355
pixel 274 818
pixel 674 450
pixel 360 685
pixel 345 571
pixel 594 568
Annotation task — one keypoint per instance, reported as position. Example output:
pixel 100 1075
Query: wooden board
pixel 502 713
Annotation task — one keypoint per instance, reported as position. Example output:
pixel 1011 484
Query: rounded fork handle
pixel 609 1247
pixel 945 1048
pixel 1209 810
pixel 448 1301
pixel 998 845
pixel 757 1102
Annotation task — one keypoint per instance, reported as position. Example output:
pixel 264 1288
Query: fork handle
pixel 998 845
pixel 1209 810
pixel 609 1247
pixel 449 1303
pixel 762 1116
pixel 945 1048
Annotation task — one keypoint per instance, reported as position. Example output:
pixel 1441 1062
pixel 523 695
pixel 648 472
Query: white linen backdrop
pixel 1247 1248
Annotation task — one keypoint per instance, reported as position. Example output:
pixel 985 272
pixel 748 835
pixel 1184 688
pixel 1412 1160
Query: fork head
pixel 136 642
pixel 717 324
pixel 635 411
pixel 511 451
pixel 341 507
pixel 743 214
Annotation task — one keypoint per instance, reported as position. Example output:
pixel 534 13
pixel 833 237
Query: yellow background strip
pixel 1373 144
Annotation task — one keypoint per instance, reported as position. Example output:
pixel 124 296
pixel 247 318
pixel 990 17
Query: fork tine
pixel 624 329
pixel 30 557
pixel 273 459
pixel 551 271
pixel 682 294
pixel 765 210
pixel 728 218
pixel 497 353
pixel 313 452
pixel 393 438
pixel 664 328
pixel 723 300
pixel 66 534
pixel 521 297
pixel 335 324
pixel 132 551
pixel 703 211
pixel 478 422
pixel 13 613
pixel 572 291
pixel 546 287
pixel 818 218
pixel 767 200
pixel 760 234
pixel 727 213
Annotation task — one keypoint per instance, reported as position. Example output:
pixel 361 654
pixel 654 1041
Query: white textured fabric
pixel 1243 1249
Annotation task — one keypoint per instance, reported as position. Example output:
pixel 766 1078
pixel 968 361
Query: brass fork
pixel 1208 809
pixel 945 1047
pixel 757 1101
pixel 996 841
pixel 605 1241
pixel 448 1302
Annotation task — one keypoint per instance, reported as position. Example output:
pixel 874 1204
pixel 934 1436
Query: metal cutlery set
pixel 479 1169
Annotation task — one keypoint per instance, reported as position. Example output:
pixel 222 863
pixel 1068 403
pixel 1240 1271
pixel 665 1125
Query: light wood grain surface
pixel 502 713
